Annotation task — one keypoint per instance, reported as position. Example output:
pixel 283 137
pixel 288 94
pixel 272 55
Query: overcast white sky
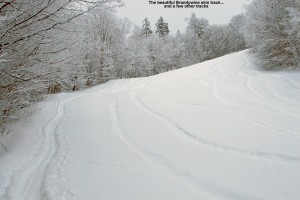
pixel 137 10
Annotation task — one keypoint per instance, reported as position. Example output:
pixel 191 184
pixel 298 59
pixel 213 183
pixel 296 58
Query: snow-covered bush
pixel 272 30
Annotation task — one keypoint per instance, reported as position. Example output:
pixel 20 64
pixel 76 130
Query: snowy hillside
pixel 216 130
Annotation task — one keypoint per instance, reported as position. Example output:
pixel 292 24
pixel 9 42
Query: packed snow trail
pixel 218 130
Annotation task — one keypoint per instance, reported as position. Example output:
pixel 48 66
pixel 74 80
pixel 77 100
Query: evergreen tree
pixel 196 25
pixel 162 28
pixel 146 29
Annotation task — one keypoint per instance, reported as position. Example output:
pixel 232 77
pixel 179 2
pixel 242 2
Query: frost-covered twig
pixel 3 147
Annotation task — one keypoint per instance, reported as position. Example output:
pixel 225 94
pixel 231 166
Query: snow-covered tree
pixel 203 42
pixel 146 29
pixel 37 40
pixel 138 48
pixel 236 33
pixel 268 32
pixel 196 26
pixel 193 40
pixel 162 28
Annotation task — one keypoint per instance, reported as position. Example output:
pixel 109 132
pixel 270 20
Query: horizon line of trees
pixel 158 51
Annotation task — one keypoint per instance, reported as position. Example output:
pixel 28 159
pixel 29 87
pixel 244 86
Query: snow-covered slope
pixel 215 130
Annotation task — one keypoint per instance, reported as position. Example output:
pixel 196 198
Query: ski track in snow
pixel 267 89
pixel 159 167
pixel 281 97
pixel 206 189
pixel 27 181
pixel 192 138
pixel 279 130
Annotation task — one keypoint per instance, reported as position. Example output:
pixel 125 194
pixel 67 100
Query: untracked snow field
pixel 218 130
